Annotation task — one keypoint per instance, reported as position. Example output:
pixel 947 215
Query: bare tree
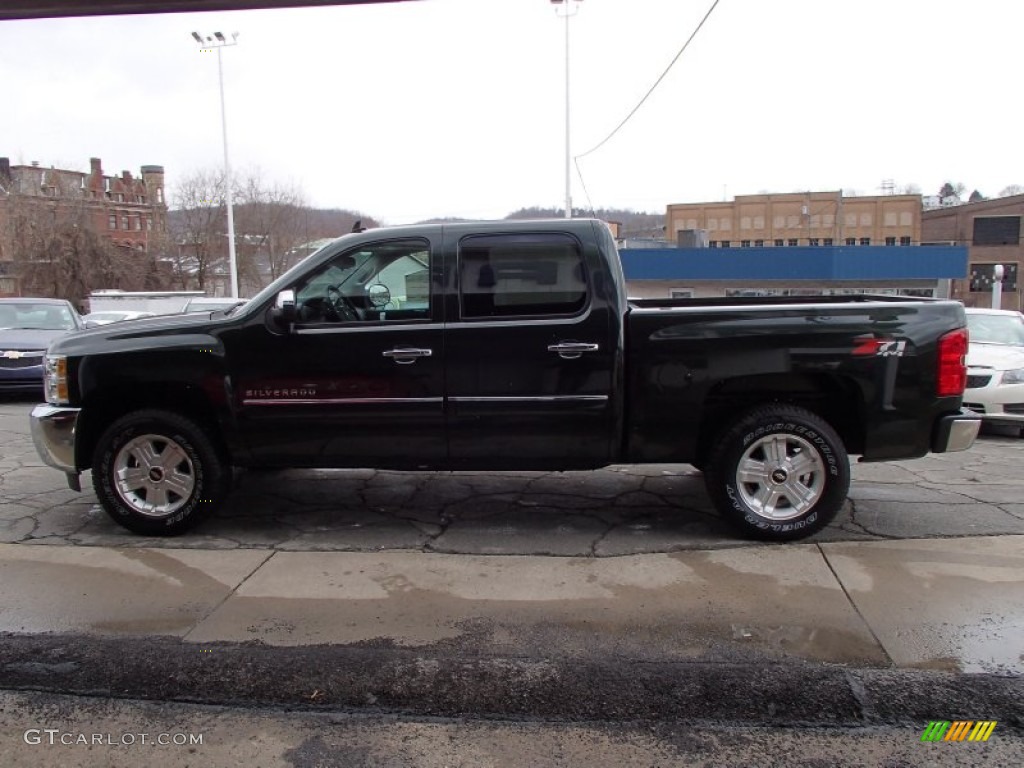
pixel 198 228
pixel 1012 189
pixel 269 224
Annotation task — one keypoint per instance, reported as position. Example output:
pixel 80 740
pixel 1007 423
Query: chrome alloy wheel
pixel 781 476
pixel 153 475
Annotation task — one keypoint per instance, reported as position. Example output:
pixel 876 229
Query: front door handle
pixel 407 355
pixel 570 350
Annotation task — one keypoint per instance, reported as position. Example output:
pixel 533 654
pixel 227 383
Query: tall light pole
pixel 567 13
pixel 219 42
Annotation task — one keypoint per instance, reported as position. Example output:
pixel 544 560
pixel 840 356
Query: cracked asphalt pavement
pixel 615 511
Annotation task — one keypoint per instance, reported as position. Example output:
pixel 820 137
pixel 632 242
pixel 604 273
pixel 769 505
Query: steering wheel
pixel 340 304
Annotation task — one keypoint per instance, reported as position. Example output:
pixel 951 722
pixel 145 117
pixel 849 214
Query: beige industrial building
pixel 798 219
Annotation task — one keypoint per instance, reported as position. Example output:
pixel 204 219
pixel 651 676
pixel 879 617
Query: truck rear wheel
pixel 157 473
pixel 778 473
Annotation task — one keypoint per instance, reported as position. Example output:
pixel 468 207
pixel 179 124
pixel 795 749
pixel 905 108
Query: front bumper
pixel 53 432
pixel 955 432
pixel 994 401
pixel 27 379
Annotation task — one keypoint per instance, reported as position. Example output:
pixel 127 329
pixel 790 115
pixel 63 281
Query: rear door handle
pixel 407 355
pixel 570 350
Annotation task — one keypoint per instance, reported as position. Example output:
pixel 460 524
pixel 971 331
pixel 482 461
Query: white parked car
pixel 96 319
pixel 995 366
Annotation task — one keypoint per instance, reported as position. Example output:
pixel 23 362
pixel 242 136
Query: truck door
pixel 527 344
pixel 359 379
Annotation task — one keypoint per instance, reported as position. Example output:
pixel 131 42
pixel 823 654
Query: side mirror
pixel 283 311
pixel 378 295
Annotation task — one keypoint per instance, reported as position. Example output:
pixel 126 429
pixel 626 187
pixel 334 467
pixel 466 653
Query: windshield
pixel 996 329
pixel 38 317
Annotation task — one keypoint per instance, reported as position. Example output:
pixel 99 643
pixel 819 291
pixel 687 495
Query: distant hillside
pixel 634 223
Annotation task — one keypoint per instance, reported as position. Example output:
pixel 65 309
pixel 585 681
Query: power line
pixel 656 83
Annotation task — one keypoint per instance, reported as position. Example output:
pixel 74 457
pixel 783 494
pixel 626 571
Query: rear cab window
pixel 527 275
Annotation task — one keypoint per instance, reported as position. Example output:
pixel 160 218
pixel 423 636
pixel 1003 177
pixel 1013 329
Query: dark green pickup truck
pixel 496 346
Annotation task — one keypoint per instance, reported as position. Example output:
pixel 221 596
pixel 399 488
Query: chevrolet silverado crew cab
pixel 502 346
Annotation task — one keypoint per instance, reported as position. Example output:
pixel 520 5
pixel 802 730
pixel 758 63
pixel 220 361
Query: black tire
pixel 797 476
pixel 157 473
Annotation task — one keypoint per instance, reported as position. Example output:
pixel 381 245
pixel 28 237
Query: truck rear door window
pixel 521 276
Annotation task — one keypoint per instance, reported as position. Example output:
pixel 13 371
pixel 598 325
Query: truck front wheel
pixel 157 473
pixel 778 473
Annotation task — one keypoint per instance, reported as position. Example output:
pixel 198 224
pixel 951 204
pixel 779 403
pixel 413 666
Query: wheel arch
pixel 118 400
pixel 837 400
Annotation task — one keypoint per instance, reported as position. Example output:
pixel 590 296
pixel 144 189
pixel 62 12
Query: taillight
pixel 952 371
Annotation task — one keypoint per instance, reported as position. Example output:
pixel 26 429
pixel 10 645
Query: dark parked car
pixel 27 326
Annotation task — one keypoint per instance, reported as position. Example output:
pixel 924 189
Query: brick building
pixel 799 219
pixel 991 232
pixel 130 211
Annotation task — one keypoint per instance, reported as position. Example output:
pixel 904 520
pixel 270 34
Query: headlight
pixel 1016 376
pixel 55 379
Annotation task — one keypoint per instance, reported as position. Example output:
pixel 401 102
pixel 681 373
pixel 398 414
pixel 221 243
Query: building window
pixel 905 240
pixel 779 242
pixel 828 241
pixel 680 293
pixel 112 221
pixel 149 223
pixel 759 243
pixel 744 243
pixel 996 230
pixel 865 241
pixel 851 241
pixel 983 275
pixel 712 243
pixel 726 243
pixel 138 221
pixel 814 241
pixel 119 197
pixel 160 195
pixel 792 242
pixel 124 221
pixel 890 241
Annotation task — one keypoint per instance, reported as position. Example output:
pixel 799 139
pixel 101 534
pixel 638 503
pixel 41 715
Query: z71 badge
pixel 879 348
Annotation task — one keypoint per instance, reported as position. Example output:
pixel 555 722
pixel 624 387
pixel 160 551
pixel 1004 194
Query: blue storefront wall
pixel 821 263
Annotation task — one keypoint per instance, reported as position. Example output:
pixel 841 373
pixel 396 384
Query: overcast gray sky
pixel 406 111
